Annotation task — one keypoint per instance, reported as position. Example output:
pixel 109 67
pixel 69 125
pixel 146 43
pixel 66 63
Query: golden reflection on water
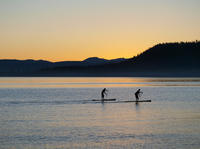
pixel 61 82
pixel 109 125
pixel 118 125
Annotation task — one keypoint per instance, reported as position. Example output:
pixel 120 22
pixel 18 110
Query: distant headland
pixel 178 59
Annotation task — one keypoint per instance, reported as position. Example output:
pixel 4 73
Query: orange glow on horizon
pixel 76 30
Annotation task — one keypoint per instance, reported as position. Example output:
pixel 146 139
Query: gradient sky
pixel 59 30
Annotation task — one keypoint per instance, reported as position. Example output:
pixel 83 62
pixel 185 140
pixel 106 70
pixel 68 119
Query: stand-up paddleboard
pixel 136 101
pixel 104 99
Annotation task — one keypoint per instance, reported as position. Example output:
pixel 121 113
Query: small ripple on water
pixel 154 140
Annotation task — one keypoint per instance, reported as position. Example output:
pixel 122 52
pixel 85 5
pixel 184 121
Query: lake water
pixel 57 113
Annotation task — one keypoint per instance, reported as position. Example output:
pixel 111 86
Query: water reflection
pixel 137 106
pixel 62 82
pixel 102 106
pixel 56 118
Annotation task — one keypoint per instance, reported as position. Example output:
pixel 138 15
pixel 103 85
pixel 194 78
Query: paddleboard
pixel 136 101
pixel 104 99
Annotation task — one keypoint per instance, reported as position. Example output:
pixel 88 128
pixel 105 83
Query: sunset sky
pixel 60 30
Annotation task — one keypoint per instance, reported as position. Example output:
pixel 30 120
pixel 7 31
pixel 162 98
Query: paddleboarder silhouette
pixel 103 93
pixel 138 94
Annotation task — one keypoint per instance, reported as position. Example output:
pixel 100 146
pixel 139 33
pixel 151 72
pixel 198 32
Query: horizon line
pixel 179 42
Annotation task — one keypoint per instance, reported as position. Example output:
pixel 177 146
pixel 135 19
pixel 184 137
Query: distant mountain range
pixel 162 60
pixel 35 67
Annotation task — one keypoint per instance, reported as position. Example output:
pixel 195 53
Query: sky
pixel 61 30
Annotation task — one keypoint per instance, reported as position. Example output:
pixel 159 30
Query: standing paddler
pixel 103 93
pixel 138 94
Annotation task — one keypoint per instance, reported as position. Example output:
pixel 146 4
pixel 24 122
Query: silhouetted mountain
pixel 32 67
pixel 95 60
pixel 166 59
pixel 13 67
pixel 169 59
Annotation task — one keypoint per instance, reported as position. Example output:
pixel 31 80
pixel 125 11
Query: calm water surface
pixel 57 113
